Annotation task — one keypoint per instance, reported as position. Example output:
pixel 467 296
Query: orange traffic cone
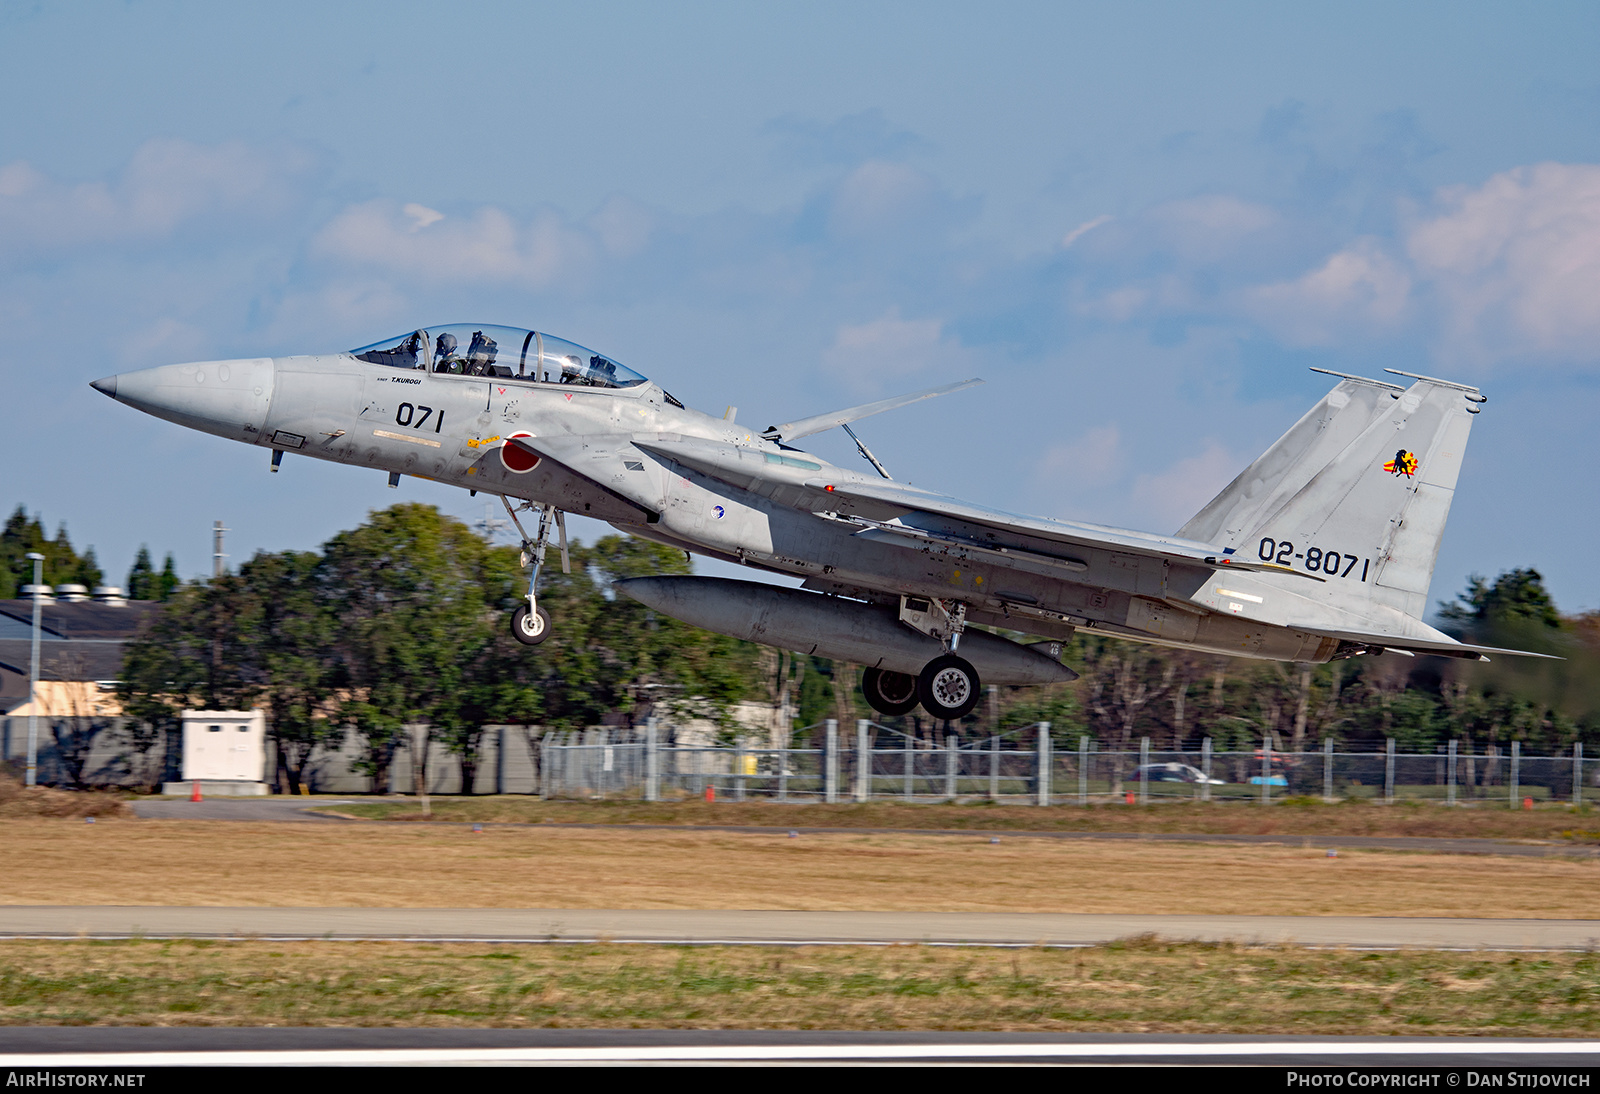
pixel 196 795
pixel 711 793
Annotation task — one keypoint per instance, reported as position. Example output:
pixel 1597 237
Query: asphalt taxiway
pixel 789 928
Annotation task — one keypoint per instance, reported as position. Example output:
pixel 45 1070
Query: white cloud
pixel 167 184
pixel 1204 229
pixel 420 215
pixel 880 197
pixel 489 245
pixel 1359 290
pixel 1083 229
pixel 887 348
pixel 1172 496
pixel 1516 263
pixel 1097 454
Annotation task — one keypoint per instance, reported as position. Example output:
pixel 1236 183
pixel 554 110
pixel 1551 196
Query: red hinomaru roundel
pixel 515 457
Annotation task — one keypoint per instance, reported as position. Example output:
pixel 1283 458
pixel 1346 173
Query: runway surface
pixel 133 1048
pixel 299 810
pixel 512 925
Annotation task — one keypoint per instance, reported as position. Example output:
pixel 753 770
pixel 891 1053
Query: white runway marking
pixel 799 1053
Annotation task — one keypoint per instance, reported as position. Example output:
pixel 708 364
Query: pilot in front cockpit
pixel 444 355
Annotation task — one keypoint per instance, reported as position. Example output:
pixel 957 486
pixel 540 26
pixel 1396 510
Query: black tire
pixel 530 631
pixel 949 687
pixel 889 693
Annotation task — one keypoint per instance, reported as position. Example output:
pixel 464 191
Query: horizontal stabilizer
pixel 1435 647
pixel 805 427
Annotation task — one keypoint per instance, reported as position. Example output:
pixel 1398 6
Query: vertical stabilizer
pixel 1370 520
pixel 1282 470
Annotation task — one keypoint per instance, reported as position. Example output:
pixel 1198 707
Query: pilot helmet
pixel 447 344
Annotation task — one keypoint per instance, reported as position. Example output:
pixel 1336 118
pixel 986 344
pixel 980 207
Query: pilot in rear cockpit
pixel 481 354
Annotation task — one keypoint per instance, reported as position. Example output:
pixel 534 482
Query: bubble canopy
pixel 478 349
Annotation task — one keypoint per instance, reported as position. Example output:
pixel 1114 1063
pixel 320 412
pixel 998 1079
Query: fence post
pixel 1266 769
pixel 1577 772
pixel 994 767
pixel 546 758
pixel 1516 770
pixel 652 762
pixel 1327 769
pixel 783 768
pixel 738 769
pixel 1043 782
pixel 830 768
pixel 1450 780
pixel 1144 770
pixel 1083 770
pixel 1388 772
pixel 1205 769
pixel 863 761
pixel 910 763
pixel 951 757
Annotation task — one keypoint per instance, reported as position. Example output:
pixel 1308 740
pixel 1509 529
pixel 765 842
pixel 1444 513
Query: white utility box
pixel 225 751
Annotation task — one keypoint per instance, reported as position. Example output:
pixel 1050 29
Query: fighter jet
pixel 1323 548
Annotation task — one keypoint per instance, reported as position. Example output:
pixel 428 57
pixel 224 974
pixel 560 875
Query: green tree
pixel 288 636
pixel 167 583
pixel 142 577
pixel 417 598
pixel 1517 596
pixel 62 564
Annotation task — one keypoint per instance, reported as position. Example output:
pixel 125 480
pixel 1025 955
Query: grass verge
pixel 18 800
pixel 1133 986
pixel 222 863
pixel 1296 816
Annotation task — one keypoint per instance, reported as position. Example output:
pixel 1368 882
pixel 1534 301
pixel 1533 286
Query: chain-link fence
pixel 879 762
pixel 861 763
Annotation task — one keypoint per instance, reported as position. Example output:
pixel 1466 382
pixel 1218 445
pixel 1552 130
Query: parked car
pixel 1174 773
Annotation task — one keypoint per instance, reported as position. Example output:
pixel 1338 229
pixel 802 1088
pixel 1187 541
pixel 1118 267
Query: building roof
pixel 82 641
pixel 82 619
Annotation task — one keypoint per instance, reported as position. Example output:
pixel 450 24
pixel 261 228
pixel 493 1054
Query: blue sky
pixel 1141 223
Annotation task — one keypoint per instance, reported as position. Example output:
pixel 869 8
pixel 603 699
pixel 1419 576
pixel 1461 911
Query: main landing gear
pixel 530 624
pixel 948 686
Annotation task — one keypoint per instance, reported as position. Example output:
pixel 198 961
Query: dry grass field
pixel 130 862
pixel 1137 986
pixel 1293 816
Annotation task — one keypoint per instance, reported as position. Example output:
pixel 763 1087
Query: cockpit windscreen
pixel 477 349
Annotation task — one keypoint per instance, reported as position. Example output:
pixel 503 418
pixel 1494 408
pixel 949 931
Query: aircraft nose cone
pixel 226 398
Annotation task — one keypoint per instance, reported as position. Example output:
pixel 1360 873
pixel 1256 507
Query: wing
pixel 804 427
pixel 924 514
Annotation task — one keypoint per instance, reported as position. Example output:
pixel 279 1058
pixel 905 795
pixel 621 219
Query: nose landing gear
pixel 530 624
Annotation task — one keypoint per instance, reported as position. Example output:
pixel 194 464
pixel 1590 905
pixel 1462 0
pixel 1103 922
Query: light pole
pixel 33 671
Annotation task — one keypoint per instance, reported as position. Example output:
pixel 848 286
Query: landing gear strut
pixel 530 624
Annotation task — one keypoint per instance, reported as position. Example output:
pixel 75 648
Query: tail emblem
pixel 1404 463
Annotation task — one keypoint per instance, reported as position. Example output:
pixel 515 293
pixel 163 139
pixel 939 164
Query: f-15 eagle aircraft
pixel 1321 549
